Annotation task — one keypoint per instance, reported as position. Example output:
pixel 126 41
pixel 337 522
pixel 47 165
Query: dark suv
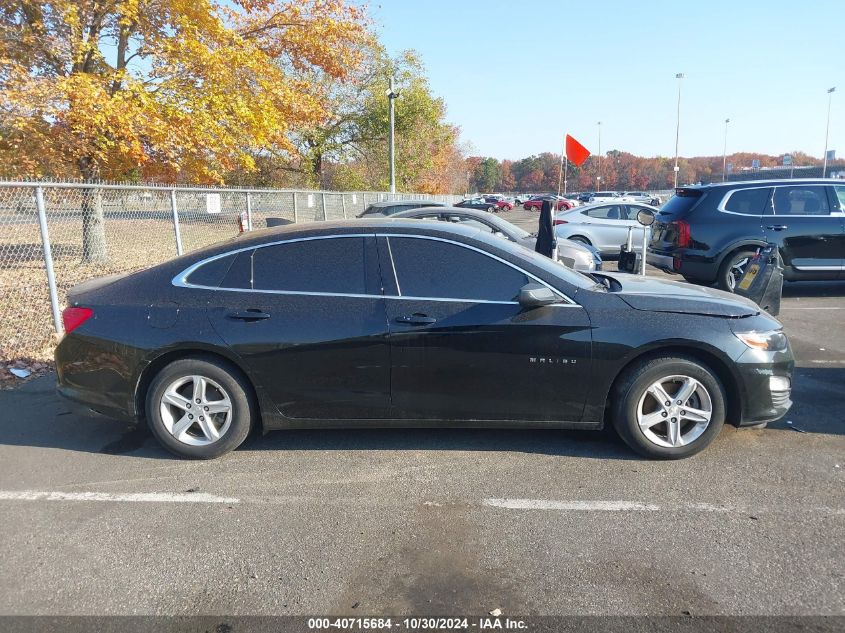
pixel 708 233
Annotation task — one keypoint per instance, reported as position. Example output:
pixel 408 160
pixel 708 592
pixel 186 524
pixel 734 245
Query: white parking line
pixel 143 497
pixel 638 506
pixel 783 307
pixel 543 504
pixel 826 362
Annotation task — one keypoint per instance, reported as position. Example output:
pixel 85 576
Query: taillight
pixel 560 222
pixel 682 231
pixel 72 318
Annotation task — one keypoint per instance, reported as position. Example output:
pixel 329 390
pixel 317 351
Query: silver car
pixel 581 257
pixel 642 196
pixel 603 225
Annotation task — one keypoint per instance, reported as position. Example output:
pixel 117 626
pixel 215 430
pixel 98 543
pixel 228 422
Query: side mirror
pixel 645 217
pixel 536 295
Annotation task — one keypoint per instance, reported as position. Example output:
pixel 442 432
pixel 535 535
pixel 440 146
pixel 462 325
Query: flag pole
pixel 565 169
pixel 560 169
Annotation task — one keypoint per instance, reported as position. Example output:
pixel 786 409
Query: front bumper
pixel 766 379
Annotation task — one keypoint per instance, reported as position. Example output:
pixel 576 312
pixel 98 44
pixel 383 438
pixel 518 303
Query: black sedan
pixel 477 203
pixel 386 322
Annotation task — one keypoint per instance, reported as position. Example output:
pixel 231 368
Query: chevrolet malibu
pixel 418 323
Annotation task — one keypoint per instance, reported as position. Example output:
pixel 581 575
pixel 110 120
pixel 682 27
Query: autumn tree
pixel 170 89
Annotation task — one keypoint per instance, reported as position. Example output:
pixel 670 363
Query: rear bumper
pixel 680 263
pixel 663 262
pixel 85 406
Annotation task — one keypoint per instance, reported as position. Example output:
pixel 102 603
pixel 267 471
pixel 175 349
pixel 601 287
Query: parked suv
pixel 708 233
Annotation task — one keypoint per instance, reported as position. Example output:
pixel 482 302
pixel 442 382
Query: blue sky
pixel 517 75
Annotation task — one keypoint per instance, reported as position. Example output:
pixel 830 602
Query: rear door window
pixel 748 201
pixel 801 200
pixel 610 212
pixel 334 265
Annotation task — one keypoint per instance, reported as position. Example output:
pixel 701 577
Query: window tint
pixel 611 212
pixel 211 274
pixel 631 212
pixel 325 265
pixel 748 201
pixel 430 268
pixel 239 274
pixel 800 201
pixel 839 197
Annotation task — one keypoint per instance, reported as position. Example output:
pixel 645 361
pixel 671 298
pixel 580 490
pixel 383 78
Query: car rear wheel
pixel 581 240
pixel 732 269
pixel 668 407
pixel 200 408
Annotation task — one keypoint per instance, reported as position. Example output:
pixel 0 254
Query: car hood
pixel 655 295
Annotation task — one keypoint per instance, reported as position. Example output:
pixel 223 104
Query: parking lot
pixel 100 520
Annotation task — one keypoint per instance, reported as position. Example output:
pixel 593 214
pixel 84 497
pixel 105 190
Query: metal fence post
pixel 323 202
pixel 176 222
pixel 295 210
pixel 343 204
pixel 248 212
pixel 48 260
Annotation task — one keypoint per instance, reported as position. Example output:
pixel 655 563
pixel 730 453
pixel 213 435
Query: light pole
pixel 725 153
pixel 392 95
pixel 827 129
pixel 598 178
pixel 678 76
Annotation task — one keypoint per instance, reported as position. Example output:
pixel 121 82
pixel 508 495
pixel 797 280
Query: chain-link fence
pixel 55 235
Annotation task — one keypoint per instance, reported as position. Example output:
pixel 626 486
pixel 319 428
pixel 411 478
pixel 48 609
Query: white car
pixel 603 226
pixel 642 196
pixel 603 196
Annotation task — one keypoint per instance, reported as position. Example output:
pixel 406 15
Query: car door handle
pixel 777 227
pixel 249 315
pixel 416 319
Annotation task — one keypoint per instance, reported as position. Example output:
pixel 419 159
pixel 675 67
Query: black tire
pixel 580 239
pixel 243 410
pixel 732 268
pixel 631 386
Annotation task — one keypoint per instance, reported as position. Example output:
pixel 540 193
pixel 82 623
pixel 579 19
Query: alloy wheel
pixel 736 272
pixel 196 410
pixel 674 411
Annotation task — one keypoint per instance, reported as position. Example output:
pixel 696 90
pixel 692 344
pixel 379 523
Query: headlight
pixel 771 341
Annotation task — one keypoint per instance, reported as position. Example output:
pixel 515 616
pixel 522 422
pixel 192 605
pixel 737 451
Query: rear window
pixel 683 201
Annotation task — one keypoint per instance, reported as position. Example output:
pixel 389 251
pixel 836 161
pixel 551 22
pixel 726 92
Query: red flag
pixel 575 152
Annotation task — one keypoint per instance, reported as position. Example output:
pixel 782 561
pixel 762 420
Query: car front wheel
pixel 668 407
pixel 200 408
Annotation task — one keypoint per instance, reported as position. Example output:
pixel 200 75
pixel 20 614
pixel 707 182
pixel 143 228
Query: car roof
pixel 605 203
pixel 359 225
pixel 443 209
pixel 769 182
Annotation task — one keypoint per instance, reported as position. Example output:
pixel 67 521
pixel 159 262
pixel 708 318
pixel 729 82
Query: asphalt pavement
pixel 98 520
